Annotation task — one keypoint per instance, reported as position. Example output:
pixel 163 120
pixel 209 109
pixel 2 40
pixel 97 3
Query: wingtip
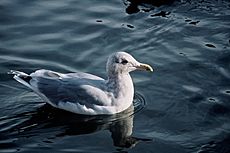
pixel 14 72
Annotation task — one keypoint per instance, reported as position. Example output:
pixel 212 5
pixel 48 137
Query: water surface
pixel 182 107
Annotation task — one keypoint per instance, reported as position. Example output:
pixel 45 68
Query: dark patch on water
pixel 99 21
pixel 194 22
pixel 210 45
pixel 212 99
pixel 161 13
pixel 132 9
pixel 191 22
pixel 130 26
pixel 132 5
pixel 183 54
pixel 188 20
pixel 227 91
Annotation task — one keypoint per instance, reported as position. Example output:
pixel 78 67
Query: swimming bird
pixel 84 93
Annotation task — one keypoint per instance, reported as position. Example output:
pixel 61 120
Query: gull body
pixel 84 93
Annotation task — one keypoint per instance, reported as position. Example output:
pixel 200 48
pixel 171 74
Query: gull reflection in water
pixel 46 117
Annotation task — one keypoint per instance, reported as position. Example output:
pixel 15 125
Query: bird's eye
pixel 124 61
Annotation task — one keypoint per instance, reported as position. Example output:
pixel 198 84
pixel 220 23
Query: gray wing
pixel 82 88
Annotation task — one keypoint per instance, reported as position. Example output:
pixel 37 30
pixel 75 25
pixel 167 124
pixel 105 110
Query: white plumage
pixel 85 93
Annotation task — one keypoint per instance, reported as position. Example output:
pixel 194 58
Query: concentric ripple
pixel 138 102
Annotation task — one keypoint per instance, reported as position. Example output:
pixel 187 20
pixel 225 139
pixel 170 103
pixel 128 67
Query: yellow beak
pixel 145 67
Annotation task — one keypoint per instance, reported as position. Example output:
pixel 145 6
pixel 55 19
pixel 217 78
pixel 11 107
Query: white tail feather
pixel 18 76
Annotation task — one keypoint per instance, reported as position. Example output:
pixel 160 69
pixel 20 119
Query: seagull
pixel 84 93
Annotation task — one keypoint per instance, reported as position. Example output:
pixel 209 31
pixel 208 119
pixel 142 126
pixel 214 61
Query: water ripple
pixel 184 104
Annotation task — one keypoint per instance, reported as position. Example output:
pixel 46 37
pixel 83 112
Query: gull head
pixel 122 62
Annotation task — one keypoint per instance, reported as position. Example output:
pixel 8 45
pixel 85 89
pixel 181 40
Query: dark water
pixel 183 107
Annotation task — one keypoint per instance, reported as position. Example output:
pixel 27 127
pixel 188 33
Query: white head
pixel 122 62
